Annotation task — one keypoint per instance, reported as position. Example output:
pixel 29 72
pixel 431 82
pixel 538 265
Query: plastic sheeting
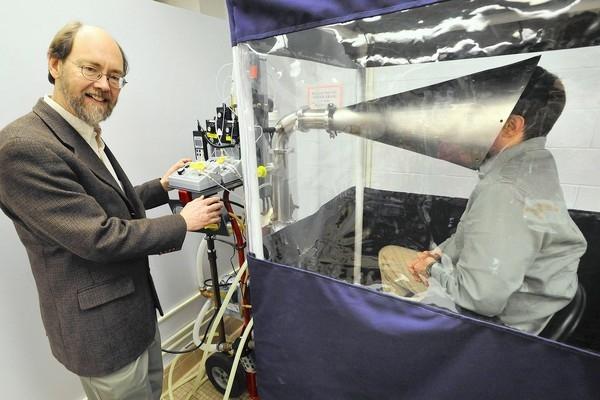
pixel 449 30
pixel 324 242
pixel 324 199
pixel 296 95
pixel 257 19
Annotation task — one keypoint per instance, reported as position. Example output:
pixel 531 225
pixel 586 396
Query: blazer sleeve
pixel 44 194
pixel 152 194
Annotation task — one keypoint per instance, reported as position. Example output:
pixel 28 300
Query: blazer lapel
pixel 73 140
pixel 127 186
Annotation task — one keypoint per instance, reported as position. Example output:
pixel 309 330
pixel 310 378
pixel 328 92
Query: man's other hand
pixel 164 181
pixel 201 212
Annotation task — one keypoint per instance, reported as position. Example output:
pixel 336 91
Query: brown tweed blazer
pixel 87 241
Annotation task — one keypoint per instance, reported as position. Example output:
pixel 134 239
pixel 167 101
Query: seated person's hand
pixel 418 267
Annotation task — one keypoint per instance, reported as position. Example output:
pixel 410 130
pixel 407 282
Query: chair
pixel 564 322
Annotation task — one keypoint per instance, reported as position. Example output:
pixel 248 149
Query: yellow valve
pixel 221 159
pixel 212 227
pixel 198 165
pixel 261 171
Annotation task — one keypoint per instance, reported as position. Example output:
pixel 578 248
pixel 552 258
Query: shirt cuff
pixel 437 271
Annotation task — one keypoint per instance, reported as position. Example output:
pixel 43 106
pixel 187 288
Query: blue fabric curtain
pixel 318 338
pixel 257 19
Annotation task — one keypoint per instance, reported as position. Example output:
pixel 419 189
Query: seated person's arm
pixel 498 247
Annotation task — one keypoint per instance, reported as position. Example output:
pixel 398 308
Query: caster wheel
pixel 218 367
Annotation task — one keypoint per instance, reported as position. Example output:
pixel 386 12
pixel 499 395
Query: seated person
pixel 515 253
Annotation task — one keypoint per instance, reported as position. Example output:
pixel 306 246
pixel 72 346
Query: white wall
pixel 215 8
pixel 175 57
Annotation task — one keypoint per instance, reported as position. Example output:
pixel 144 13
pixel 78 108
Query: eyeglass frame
pixel 99 75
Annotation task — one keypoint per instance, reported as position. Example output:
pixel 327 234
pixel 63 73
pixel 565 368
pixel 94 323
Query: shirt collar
pixel 504 156
pixel 89 133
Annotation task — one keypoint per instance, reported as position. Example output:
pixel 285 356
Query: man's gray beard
pixel 92 115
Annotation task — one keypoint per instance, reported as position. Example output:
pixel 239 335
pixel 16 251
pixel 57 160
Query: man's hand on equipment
pixel 164 181
pixel 201 212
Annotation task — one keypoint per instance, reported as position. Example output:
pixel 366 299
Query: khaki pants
pixel 395 276
pixel 139 380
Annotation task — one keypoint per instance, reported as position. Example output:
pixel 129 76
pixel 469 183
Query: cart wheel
pixel 218 366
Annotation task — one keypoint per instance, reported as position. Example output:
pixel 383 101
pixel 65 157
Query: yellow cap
pixel 261 171
pixel 221 159
pixel 198 165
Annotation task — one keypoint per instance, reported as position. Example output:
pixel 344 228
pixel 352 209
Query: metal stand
pixel 214 274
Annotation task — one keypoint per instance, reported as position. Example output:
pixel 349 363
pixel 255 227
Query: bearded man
pixel 84 225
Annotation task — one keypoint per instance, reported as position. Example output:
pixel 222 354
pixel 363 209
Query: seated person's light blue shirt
pixel 515 253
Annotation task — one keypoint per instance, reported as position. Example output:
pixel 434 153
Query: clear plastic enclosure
pixel 376 132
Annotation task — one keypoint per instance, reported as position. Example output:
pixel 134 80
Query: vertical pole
pixel 363 150
pixel 214 274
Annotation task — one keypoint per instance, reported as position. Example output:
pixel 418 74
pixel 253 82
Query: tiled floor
pixel 206 391
pixel 190 362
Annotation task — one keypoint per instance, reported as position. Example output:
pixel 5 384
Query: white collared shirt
pixel 87 132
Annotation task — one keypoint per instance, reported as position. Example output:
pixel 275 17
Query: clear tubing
pixel 226 300
pixel 236 359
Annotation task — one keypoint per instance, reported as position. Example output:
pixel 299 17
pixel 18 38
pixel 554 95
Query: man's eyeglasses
pixel 92 73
